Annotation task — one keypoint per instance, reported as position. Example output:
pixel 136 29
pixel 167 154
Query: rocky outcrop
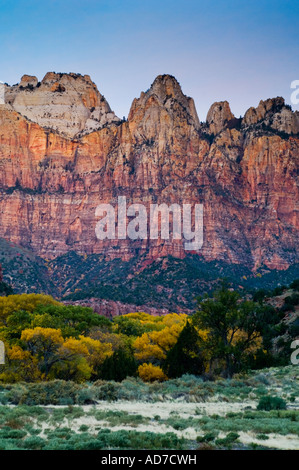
pixel 243 171
pixel 67 103
pixel 28 81
pixel 218 116
pixel 164 118
pixel 273 113
pixel 112 308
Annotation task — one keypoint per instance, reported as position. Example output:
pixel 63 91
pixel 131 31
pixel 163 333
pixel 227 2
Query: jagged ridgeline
pixel 63 152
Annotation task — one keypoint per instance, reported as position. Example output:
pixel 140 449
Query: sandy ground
pixel 288 442
pixel 176 410
pixel 164 409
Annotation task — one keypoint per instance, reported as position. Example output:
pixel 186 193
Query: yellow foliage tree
pixel 93 351
pixel 174 318
pixel 116 340
pixel 153 346
pixel 73 363
pixel 254 345
pixel 19 366
pixel 43 344
pixel 27 302
pixel 151 373
pixel 157 322
pixel 46 337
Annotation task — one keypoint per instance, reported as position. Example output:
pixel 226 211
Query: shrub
pixel 8 433
pixel 57 392
pixel 34 443
pixel 292 299
pixel 262 437
pixel 178 424
pixel 151 373
pixel 228 440
pixel 259 295
pixel 268 403
pixel 208 437
pixel 108 392
pixel 278 290
pixel 83 428
pixel 140 440
pixel 5 289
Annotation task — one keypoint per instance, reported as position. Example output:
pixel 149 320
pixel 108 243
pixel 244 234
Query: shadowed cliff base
pixel 116 287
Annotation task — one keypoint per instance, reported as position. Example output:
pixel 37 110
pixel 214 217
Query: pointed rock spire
pixel 218 116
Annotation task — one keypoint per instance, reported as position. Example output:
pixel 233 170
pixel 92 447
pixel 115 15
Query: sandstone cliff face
pixel 54 172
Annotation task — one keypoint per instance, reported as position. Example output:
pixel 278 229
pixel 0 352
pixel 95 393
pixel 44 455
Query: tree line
pixel 45 340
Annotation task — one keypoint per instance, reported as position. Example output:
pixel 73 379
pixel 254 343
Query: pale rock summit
pixel 218 116
pixel 67 103
pixel 286 121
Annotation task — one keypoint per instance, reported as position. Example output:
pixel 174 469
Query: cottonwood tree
pixel 235 328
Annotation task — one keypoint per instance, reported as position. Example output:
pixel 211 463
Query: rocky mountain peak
pixel 273 113
pixel 28 80
pixel 270 106
pixel 167 86
pixel 163 113
pixel 218 116
pixel 68 103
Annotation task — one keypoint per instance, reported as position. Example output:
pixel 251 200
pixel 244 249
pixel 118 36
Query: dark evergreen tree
pixel 5 289
pixel 120 365
pixel 185 356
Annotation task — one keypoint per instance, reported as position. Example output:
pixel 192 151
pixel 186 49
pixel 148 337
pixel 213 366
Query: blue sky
pixel 241 51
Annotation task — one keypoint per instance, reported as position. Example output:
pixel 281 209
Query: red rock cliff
pixel 63 152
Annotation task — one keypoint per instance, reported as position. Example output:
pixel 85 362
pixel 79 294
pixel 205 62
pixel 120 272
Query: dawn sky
pixel 240 51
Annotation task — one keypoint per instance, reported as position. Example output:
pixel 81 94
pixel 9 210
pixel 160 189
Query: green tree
pixel 260 294
pixel 295 284
pixel 16 323
pixel 26 302
pixel 73 320
pixel 120 365
pixel 129 326
pixel 185 357
pixel 237 328
pixel 5 289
